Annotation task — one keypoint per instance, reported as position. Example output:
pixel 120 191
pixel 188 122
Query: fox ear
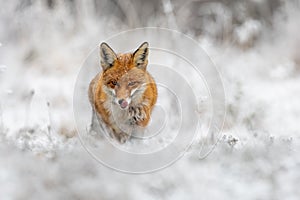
pixel 107 56
pixel 140 56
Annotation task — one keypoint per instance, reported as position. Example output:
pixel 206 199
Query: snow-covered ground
pixel 256 157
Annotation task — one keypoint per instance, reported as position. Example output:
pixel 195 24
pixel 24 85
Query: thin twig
pixel 49 127
pixel 28 109
pixel 209 152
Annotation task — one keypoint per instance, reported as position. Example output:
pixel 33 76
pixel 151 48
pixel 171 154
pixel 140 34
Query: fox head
pixel 124 75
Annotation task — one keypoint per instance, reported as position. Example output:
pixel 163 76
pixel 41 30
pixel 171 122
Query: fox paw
pixel 136 114
pixel 123 137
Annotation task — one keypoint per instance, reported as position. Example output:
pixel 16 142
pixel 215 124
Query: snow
pixel 255 156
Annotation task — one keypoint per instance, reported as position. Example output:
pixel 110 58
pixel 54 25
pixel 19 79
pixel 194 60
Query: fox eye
pixel 132 83
pixel 112 83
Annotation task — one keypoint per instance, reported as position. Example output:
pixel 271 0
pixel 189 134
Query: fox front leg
pixel 139 115
pixel 95 124
pixel 119 135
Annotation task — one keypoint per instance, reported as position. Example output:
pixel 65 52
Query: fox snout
pixel 122 97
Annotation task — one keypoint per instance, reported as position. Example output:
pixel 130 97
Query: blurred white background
pixel 255 45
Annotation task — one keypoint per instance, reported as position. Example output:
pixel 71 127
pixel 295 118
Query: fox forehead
pixel 124 69
pixel 124 62
pixel 125 59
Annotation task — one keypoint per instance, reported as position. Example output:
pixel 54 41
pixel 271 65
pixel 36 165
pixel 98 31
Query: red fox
pixel 124 93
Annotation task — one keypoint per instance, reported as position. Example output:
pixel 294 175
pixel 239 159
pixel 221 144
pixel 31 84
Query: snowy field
pixel 43 46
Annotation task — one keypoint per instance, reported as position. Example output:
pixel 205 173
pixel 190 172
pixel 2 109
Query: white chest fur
pixel 119 118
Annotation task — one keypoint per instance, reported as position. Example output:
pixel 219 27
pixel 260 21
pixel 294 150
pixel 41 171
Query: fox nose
pixel 123 103
pixel 120 101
